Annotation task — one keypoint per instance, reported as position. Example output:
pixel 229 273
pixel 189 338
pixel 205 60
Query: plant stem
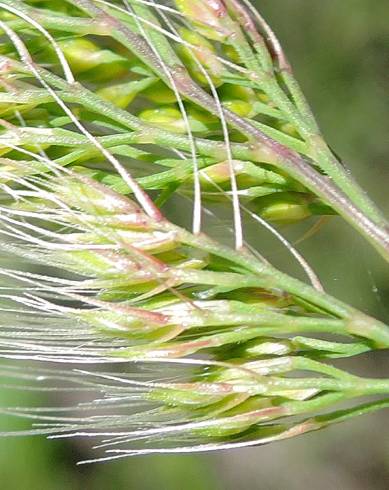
pixel 269 277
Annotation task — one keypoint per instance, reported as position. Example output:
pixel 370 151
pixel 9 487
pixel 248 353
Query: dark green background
pixel 340 53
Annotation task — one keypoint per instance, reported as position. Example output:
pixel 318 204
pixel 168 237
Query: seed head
pixel 210 345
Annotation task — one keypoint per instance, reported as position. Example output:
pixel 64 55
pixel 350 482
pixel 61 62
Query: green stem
pixel 351 387
pixel 358 323
pixel 297 111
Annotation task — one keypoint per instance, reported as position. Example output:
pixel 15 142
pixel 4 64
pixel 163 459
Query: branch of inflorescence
pixel 336 187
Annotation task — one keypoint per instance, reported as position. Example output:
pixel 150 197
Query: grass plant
pixel 109 111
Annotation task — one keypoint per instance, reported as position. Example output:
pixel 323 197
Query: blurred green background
pixel 340 53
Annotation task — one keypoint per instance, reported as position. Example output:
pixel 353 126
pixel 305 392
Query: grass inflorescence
pixel 108 110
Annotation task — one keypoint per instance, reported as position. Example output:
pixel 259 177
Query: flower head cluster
pixel 108 110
